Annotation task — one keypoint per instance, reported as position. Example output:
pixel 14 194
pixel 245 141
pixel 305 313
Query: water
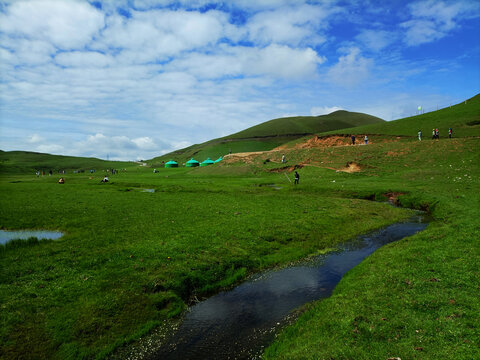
pixel 7 235
pixel 238 324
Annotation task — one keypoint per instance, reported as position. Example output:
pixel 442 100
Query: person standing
pixel 297 178
pixel 433 134
pixel 450 132
pixel 437 134
pixel 353 139
pixel 283 159
pixel 366 139
pixel 420 135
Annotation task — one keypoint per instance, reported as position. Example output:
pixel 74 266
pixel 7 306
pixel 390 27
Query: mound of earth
pixel 246 157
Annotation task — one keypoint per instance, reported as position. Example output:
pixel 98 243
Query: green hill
pixel 269 135
pixel 16 162
pixel 302 125
pixel 463 118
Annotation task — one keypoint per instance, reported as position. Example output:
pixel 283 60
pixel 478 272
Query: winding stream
pixel 239 323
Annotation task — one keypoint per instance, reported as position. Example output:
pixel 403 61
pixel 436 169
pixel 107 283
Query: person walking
pixel 283 159
pixel 297 178
pixel 420 135
pixel 450 133
pixel 353 139
pixel 437 134
pixel 433 134
pixel 366 139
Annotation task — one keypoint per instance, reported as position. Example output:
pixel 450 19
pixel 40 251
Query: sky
pixel 135 79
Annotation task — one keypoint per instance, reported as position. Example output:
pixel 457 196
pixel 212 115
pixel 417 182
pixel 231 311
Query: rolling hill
pixel 270 134
pixel 25 161
pixel 463 118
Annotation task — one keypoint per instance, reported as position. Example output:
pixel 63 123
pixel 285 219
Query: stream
pixel 240 323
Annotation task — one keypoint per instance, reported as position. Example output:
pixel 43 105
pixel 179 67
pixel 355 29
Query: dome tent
pixel 207 162
pixel 218 160
pixel 192 163
pixel 171 164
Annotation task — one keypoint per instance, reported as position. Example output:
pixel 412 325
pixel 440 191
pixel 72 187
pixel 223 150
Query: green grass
pixel 30 162
pixel 301 125
pixel 131 260
pixel 463 118
pixel 417 298
pixel 268 135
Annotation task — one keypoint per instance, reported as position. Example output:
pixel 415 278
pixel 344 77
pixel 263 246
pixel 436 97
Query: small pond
pixel 239 323
pixel 7 235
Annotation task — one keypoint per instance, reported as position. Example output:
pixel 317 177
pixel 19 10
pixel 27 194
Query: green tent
pixel 218 160
pixel 207 162
pixel 192 163
pixel 171 164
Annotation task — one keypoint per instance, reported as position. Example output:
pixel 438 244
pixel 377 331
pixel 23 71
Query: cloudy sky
pixel 130 79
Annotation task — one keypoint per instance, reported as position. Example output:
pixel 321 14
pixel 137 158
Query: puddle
pixel 238 324
pixel 273 186
pixel 7 235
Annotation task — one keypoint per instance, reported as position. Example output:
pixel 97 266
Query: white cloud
pixel 84 59
pixel 35 138
pixel 158 34
pixel 51 149
pixel 274 60
pixel 290 25
pixel 351 69
pixel 65 24
pixel 434 19
pixel 324 110
pixel 376 40
pixel 116 147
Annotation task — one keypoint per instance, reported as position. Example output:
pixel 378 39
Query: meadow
pixel 131 260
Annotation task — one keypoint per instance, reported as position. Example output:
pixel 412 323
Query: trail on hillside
pixel 313 142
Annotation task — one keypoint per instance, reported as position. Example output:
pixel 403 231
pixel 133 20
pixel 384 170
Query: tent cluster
pixel 193 163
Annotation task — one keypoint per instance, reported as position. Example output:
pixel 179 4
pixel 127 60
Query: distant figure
pixel 38 173
pixel 283 158
pixel 437 134
pixel 50 173
pixel 105 179
pixel 297 178
pixel 450 133
pixel 61 180
pixel 420 135
pixel 154 171
pixel 366 139
pixel 353 139
pixel 434 134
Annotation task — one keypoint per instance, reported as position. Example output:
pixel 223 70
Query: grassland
pixel 417 298
pixel 269 135
pixel 133 259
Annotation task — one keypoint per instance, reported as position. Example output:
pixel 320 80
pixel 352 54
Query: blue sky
pixel 134 79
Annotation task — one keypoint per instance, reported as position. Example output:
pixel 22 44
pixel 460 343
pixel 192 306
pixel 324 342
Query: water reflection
pixel 7 235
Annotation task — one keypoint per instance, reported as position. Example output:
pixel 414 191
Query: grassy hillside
pixel 463 118
pixel 269 135
pixel 30 162
pixel 131 260
pixel 301 125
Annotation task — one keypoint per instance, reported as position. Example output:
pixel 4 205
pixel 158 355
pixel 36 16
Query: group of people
pixel 436 134
pixel 365 139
